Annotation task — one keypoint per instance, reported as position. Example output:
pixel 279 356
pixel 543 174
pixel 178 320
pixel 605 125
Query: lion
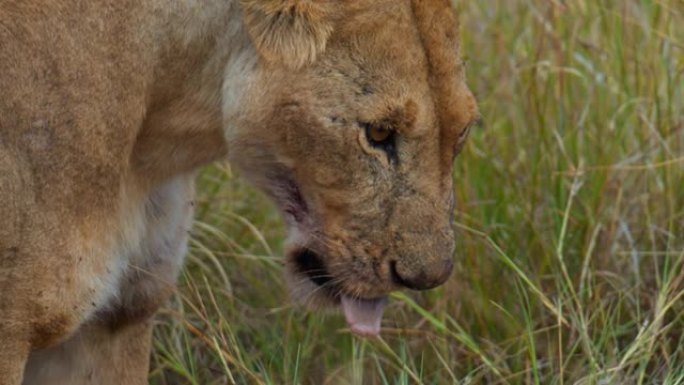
pixel 347 114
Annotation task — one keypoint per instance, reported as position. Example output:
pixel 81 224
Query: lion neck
pixel 201 56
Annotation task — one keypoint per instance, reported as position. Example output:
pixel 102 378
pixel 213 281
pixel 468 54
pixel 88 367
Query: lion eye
pixel 378 134
pixel 382 136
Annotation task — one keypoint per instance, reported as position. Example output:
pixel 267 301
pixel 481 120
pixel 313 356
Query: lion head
pixel 351 124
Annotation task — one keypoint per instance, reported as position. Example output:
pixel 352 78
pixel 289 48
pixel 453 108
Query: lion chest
pixel 153 254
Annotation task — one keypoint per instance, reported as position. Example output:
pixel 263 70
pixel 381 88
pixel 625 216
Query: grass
pixel 570 223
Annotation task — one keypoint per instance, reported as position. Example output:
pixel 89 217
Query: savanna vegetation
pixel 569 217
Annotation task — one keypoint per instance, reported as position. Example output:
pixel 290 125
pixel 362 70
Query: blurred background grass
pixel 570 223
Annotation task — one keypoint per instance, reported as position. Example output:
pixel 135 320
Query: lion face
pixel 355 143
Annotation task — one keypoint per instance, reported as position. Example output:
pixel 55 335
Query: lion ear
pixel 292 32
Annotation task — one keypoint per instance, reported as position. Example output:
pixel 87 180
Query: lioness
pixel 348 114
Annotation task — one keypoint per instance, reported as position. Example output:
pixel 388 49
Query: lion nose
pixel 421 277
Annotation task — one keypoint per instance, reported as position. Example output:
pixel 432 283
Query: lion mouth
pixel 363 315
pixel 311 265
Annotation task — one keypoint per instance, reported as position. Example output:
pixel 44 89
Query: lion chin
pixel 310 282
pixel 312 285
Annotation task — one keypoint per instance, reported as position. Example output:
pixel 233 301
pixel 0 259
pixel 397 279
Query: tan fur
pixel 107 107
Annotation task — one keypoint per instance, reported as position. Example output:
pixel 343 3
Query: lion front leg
pixel 95 355
pixel 58 263
pixel 13 356
pixel 113 345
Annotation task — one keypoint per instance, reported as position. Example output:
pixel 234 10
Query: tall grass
pixel 570 222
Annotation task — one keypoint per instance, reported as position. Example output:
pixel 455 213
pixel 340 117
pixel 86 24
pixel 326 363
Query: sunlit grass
pixel 570 222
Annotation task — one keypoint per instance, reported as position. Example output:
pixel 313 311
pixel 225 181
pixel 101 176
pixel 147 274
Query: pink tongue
pixel 363 315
